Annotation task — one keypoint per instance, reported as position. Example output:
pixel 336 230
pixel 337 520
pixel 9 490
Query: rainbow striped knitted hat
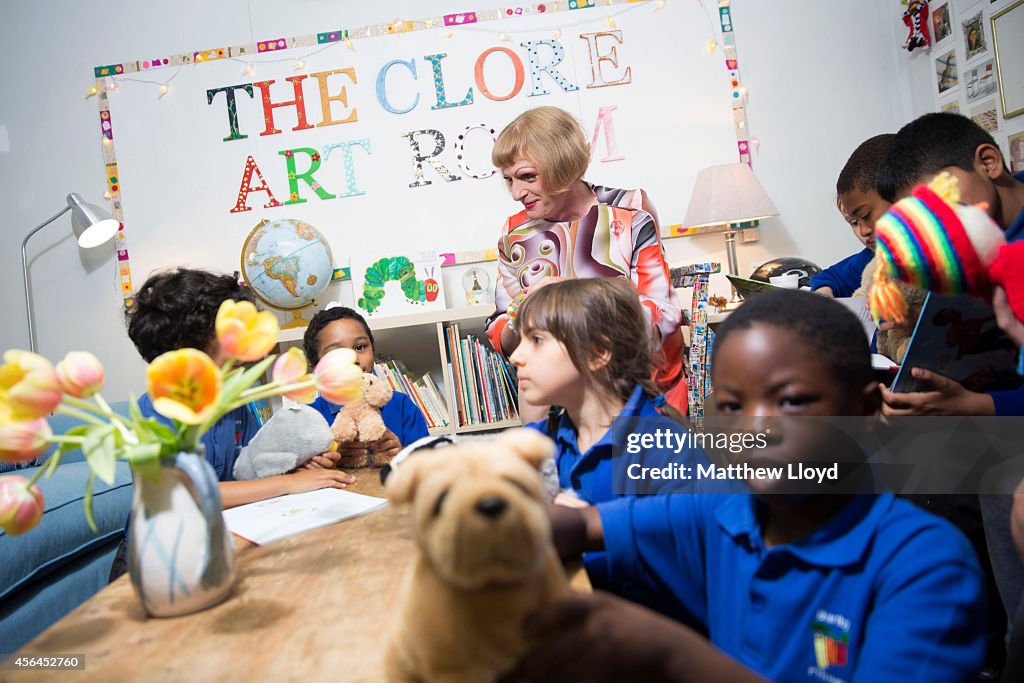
pixel 932 242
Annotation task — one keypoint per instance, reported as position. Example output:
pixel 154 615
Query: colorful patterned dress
pixel 619 237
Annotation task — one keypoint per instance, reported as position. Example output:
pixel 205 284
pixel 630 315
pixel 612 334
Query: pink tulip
pixel 80 374
pixel 290 368
pixel 21 506
pixel 338 377
pixel 21 441
pixel 29 387
pixel 244 333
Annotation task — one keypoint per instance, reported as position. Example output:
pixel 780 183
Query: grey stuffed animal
pixel 289 439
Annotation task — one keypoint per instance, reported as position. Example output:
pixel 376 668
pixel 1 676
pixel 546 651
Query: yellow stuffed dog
pixel 485 558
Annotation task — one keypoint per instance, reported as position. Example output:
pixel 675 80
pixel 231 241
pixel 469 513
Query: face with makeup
pixel 525 181
pixel 861 208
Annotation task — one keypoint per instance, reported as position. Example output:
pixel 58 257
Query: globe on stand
pixel 287 263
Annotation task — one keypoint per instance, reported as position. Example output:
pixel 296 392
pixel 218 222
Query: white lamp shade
pixel 728 193
pixel 92 225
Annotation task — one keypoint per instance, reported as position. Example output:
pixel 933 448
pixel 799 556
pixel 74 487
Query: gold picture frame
pixel 1007 27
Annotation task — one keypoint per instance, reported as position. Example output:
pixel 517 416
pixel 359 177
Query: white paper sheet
pixel 858 305
pixel 277 518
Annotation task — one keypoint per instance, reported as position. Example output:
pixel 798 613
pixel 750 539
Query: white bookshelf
pixel 418 340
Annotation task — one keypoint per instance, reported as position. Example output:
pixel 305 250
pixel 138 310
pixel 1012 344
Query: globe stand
pixel 296 321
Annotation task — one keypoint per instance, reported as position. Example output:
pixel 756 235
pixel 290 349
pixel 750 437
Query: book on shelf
pixel 481 380
pixel 400 379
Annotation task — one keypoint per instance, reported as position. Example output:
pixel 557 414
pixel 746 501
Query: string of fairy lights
pixel 110 84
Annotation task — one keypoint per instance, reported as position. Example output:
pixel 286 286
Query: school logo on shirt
pixel 831 638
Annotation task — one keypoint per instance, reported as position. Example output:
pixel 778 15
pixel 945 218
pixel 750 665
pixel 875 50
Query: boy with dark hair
pixel 923 148
pixel 954 143
pixel 178 309
pixel 340 327
pixel 860 205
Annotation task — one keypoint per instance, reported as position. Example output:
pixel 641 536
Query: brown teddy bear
pixel 893 343
pixel 360 421
pixel 485 558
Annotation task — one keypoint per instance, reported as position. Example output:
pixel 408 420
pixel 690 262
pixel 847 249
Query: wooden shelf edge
pixel 424 318
pixel 486 426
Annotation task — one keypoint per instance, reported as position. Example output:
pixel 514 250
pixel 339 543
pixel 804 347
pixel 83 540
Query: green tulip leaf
pixel 100 448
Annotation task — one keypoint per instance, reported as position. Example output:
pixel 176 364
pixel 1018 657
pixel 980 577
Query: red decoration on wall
pixel 915 17
pixel 246 188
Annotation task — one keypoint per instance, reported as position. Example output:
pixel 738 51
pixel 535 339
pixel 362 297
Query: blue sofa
pixel 52 569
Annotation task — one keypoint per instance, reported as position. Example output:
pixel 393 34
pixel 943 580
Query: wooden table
pixel 311 607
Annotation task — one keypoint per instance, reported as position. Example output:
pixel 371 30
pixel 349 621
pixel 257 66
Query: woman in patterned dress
pixel 570 228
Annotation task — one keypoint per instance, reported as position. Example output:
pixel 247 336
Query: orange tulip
pixel 29 387
pixel 184 385
pixel 21 506
pixel 290 368
pixel 23 440
pixel 338 377
pixel 80 374
pixel 244 333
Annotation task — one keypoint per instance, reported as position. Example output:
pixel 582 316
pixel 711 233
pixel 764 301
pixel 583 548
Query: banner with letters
pixel 381 135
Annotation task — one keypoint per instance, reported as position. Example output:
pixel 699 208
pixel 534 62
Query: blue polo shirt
pixel 882 592
pixel 400 415
pixel 223 441
pixel 843 277
pixel 591 475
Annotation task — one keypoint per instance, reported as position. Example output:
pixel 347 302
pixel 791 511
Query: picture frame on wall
pixel 942 26
pixel 974 36
pixel 980 80
pixel 946 74
pixel 1007 28
pixel 1015 143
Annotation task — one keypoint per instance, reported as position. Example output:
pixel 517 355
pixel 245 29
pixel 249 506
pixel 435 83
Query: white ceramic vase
pixel 181 556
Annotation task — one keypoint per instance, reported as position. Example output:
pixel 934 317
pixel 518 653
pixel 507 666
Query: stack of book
pixel 422 391
pixel 484 384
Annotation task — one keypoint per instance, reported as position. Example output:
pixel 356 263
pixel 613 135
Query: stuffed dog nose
pixel 491 506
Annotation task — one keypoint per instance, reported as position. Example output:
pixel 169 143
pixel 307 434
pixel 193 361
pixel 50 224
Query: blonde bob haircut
pixel 552 139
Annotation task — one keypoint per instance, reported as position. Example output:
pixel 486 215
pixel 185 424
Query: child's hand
pixel 946 397
pixel 353 454
pixel 825 291
pixel 1005 318
pixel 575 530
pixel 599 637
pixel 907 326
pixel 324 461
pixel 301 481
pixel 387 447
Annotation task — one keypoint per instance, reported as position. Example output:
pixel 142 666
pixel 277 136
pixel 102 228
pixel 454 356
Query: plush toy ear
pixel 529 444
pixel 402 482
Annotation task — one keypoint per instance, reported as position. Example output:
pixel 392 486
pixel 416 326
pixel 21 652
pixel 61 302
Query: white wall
pixel 820 80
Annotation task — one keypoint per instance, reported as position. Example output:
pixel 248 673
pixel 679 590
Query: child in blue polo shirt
pixel 860 206
pixel 811 587
pixel 586 348
pixel 339 327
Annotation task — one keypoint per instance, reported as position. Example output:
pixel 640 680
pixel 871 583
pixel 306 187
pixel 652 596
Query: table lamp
pixel 92 226
pixel 724 195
